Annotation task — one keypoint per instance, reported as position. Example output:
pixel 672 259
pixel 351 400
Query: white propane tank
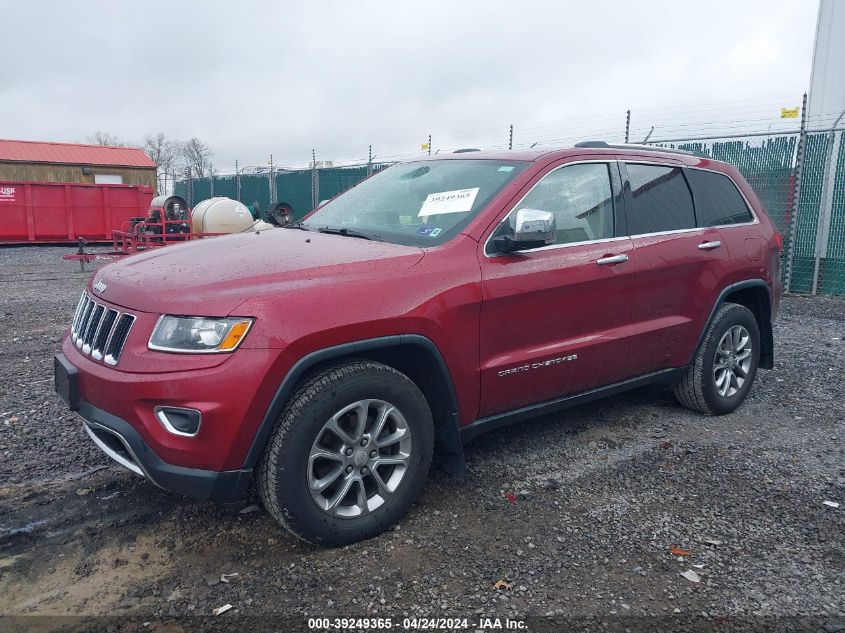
pixel 221 215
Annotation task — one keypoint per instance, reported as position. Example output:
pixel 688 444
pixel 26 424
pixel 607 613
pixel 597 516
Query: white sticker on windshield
pixel 459 201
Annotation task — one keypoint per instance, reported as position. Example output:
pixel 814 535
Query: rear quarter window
pixel 662 199
pixel 718 202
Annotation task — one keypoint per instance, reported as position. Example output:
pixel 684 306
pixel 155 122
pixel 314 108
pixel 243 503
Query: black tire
pixel 698 389
pixel 283 471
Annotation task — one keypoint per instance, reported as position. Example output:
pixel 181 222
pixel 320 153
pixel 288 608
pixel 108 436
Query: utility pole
pixel 628 126
pixel 211 177
pixel 510 137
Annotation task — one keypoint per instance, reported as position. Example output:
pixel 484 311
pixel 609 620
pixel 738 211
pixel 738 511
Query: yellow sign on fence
pixel 790 113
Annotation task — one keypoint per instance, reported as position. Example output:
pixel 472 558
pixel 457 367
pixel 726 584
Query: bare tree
pixel 197 156
pixel 106 140
pixel 164 153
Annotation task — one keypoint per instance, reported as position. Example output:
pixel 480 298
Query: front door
pixel 554 320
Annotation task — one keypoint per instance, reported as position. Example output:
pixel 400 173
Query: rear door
pixel 719 203
pixel 554 320
pixel 680 266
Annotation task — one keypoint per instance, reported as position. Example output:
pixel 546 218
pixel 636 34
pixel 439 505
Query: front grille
pixel 99 331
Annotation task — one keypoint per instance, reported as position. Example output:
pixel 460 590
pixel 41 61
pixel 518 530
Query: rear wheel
pixel 725 364
pixel 349 454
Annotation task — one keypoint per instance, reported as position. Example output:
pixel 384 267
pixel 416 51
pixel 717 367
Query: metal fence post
pixel 796 195
pixel 271 183
pixel 237 181
pixel 190 188
pixel 627 126
pixel 510 137
pixel 370 162
pixel 315 194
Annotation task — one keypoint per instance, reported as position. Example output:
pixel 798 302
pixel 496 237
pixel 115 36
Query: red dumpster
pixel 33 212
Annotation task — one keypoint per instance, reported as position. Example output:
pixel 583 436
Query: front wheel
pixel 725 364
pixel 349 454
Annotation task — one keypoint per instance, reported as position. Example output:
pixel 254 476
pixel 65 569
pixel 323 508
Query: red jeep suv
pixel 327 363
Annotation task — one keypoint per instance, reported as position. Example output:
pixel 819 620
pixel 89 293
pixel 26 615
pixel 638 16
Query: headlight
pixel 197 335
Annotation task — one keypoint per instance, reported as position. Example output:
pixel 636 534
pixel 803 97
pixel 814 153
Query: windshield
pixel 422 203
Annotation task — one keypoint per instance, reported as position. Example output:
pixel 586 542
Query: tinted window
pixel 662 200
pixel 581 199
pixel 717 200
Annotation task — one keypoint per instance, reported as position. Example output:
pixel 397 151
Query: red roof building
pixel 34 161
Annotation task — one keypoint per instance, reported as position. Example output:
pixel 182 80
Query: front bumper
pixel 120 441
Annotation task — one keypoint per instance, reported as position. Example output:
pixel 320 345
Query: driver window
pixel 581 198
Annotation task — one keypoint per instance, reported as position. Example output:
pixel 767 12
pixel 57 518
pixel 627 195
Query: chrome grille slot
pixel 91 328
pixel 77 322
pixel 100 331
pixel 102 336
pixel 118 338
pixel 77 314
pixel 83 323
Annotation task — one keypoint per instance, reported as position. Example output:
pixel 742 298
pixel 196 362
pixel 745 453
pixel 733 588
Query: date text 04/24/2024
pixel 416 624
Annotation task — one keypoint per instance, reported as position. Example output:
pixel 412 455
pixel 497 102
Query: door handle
pixel 709 246
pixel 613 259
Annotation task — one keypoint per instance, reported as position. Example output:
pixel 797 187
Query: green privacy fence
pixel 300 189
pixel 804 197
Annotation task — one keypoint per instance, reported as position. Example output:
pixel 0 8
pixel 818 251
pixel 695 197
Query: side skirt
pixel 483 425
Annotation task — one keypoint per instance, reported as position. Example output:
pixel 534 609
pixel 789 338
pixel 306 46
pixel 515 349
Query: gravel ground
pixel 578 512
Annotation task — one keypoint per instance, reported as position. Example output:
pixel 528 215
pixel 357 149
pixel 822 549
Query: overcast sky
pixel 254 78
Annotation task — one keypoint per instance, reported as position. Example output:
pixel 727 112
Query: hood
pixel 212 276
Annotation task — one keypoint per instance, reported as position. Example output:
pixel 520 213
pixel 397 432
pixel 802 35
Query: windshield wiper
pixel 342 230
pixel 297 225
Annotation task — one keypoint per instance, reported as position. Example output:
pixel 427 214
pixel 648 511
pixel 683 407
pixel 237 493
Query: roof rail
pixel 465 150
pixel 644 148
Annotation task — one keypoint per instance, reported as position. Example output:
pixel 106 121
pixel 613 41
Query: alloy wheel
pixel 732 361
pixel 359 458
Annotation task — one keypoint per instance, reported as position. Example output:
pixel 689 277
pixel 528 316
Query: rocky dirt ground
pixel 591 515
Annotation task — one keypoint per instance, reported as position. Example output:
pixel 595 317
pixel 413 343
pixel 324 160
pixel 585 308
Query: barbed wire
pixel 727 118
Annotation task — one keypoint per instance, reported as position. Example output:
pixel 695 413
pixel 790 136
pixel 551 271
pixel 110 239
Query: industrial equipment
pixel 168 221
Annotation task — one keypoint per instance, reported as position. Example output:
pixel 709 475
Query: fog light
pixel 179 420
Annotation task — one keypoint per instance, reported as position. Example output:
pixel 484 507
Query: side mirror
pixel 531 228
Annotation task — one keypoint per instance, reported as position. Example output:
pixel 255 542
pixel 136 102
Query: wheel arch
pixel 755 295
pixel 414 355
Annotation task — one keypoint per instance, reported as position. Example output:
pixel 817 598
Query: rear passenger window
pixel 717 200
pixel 662 200
pixel 580 198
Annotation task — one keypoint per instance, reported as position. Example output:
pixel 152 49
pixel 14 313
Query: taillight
pixel 779 241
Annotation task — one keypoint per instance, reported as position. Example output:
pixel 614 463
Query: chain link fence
pixel 798 176
pixel 800 179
